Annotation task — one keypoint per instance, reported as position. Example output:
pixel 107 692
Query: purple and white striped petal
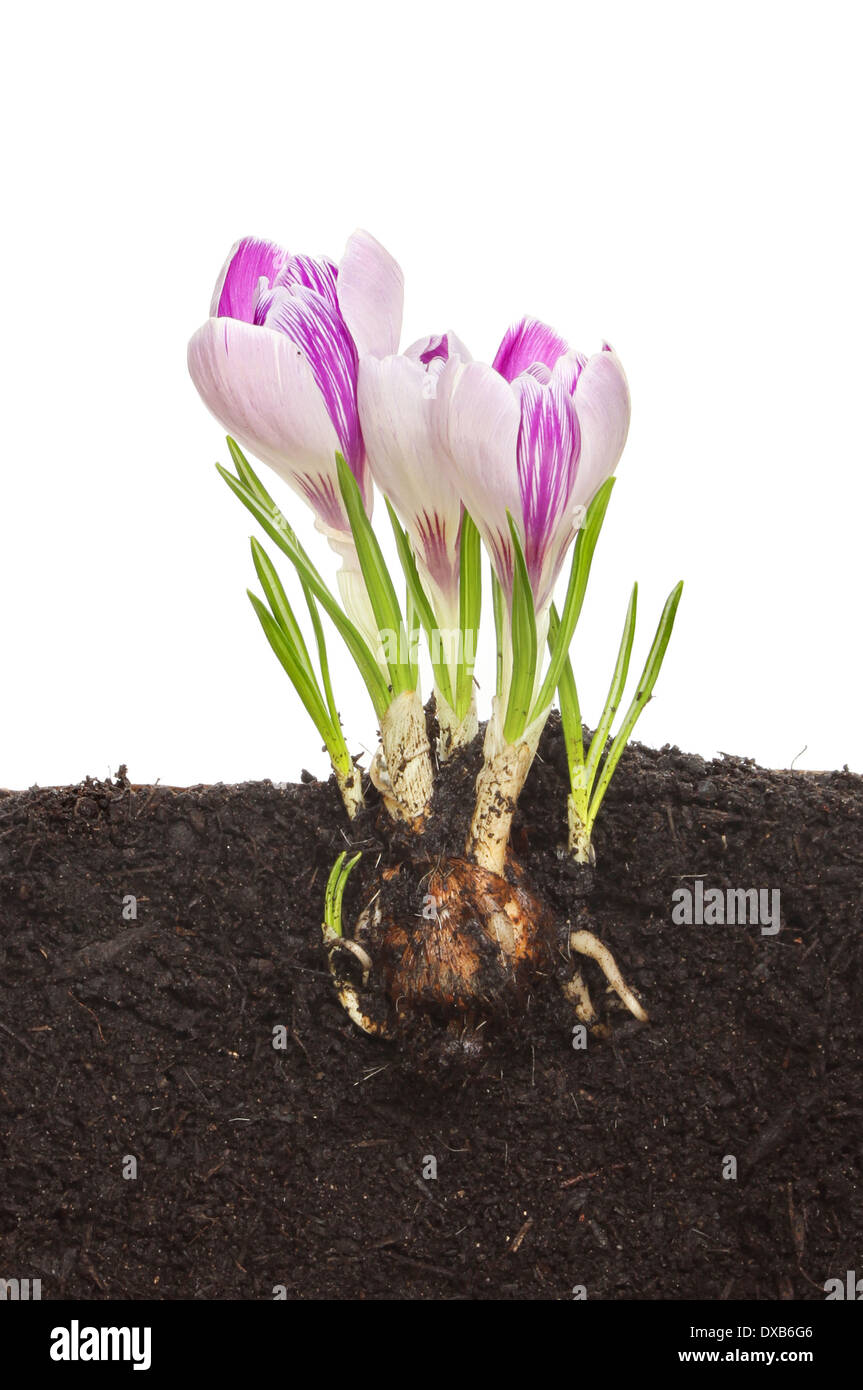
pixel 439 347
pixel 264 392
pixel 538 447
pixel 277 362
pixel 602 404
pixel 318 331
pixel 568 369
pixel 371 296
pixel 525 343
pixel 547 462
pixel 316 273
pixel 478 420
pixel 250 260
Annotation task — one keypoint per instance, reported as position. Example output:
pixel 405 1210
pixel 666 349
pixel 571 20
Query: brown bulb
pixel 459 944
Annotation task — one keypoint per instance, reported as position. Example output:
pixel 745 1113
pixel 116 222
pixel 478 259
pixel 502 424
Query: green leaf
pixel 524 644
pixel 578 577
pixel 247 474
pixel 498 603
pixel 279 605
pixel 340 890
pixel 470 610
pixel 615 691
pixel 335 891
pixel 412 626
pixel 274 524
pixel 649 675
pixel 420 600
pixel 323 659
pixel 303 682
pixel 330 895
pixel 570 719
pixel 379 585
pixel 409 566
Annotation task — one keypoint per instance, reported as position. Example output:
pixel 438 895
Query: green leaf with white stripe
pixel 268 516
pixel 379 586
pixel 524 644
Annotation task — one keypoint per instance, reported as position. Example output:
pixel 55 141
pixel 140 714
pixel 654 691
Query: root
pixel 349 993
pixel 471 955
pixel 586 944
pixel 576 991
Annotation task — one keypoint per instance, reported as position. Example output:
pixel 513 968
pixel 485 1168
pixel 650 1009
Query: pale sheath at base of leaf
pixel 504 771
pixel 589 784
pixel 402 768
pixel 454 733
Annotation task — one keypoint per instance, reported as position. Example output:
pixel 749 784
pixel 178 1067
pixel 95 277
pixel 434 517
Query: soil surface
pixel 157 942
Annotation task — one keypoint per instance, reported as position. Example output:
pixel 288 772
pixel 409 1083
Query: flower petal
pixel 441 346
pixel 525 343
pixel 568 369
pixel 548 449
pixel 602 404
pixel 478 421
pixel 236 289
pixel 371 295
pixel 396 401
pixel 263 391
pixel 312 273
pixel 319 332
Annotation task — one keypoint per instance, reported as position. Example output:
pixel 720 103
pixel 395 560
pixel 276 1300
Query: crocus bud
pixel 277 360
pixel 535 435
pixel 396 400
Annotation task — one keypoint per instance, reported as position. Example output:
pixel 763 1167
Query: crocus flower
pixel 276 362
pixel 397 399
pixel 535 435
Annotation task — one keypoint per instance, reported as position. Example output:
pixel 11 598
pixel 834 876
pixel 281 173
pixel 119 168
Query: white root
pixel 576 991
pixel 349 997
pixel 586 944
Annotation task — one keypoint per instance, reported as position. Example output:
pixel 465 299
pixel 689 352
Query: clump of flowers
pixel 299 361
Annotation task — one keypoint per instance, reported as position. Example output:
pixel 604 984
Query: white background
pixel 681 178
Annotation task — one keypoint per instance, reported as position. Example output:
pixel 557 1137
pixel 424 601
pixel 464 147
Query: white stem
pixel 357 605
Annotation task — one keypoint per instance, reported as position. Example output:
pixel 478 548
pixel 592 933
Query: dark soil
pixel 152 1037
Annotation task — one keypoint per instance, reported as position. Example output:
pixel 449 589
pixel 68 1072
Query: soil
pixel 153 939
